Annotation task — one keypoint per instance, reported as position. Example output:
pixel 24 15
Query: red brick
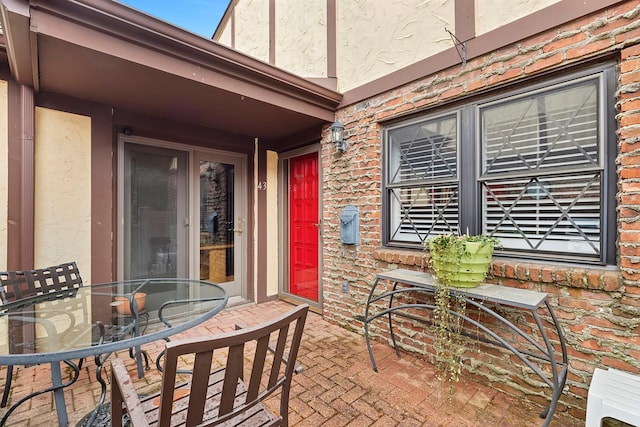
pixel 575 303
pixel 610 26
pixel 598 321
pixel 630 274
pixel 521 272
pixel 579 328
pixel 630 78
pixel 544 63
pixel 593 279
pixel 578 278
pixel 629 237
pixel 630 51
pixel 633 341
pixel 579 52
pixel 611 281
pixel 547 274
pixel 629 147
pixel 623 37
pixel 633 302
pixel 629 132
pixel 630 173
pixel 509 271
pixel 630 119
pixel 564 42
pixel 535 273
pixel 619 364
pixel 594 345
pixel 453 92
pixel 630 65
pixel 630 105
pixel 632 290
pixel 476 84
pixel 630 160
pixel 502 77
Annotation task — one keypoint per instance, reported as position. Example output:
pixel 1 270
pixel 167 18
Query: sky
pixel 198 16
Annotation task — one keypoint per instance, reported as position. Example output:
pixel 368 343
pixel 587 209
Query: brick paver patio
pixel 336 388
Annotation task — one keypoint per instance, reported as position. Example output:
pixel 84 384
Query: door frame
pixel 283 220
pixel 193 268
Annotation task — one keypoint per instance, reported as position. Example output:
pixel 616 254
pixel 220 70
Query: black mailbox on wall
pixel 349 225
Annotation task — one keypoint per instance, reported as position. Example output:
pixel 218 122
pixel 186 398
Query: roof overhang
pixel 105 52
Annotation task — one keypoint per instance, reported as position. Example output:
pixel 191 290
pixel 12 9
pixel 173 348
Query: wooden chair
pixel 217 392
pixel 15 285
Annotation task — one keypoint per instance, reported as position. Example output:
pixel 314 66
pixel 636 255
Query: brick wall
pixel 599 307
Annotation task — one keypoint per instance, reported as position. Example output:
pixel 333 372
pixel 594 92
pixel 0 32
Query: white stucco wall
pixel 272 223
pixel 225 35
pixel 4 179
pixel 491 14
pixel 301 37
pixel 377 37
pixel 62 190
pixel 252 28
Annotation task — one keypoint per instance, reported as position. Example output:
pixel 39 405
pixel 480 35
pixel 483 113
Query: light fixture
pixel 337 136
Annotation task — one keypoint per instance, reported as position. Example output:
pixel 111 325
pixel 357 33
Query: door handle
pixel 239 228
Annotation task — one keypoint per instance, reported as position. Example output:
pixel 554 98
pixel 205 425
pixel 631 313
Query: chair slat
pixel 234 371
pixel 278 355
pixel 199 385
pixel 257 369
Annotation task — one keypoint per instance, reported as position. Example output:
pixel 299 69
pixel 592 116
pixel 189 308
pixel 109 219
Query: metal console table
pixel 396 282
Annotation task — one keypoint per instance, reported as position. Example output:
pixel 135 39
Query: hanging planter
pixel 461 261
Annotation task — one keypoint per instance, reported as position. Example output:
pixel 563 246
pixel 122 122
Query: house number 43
pixel 262 185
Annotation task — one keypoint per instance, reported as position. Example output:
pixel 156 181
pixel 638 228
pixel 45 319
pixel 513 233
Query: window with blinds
pixel 542 169
pixel 529 167
pixel 422 171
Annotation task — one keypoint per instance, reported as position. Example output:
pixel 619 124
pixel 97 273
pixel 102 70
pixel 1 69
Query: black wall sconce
pixel 337 136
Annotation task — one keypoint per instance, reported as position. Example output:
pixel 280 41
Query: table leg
pixel 366 326
pixel 58 394
pixel 391 333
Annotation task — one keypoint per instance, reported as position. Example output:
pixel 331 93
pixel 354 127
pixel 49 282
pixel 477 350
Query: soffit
pixel 105 52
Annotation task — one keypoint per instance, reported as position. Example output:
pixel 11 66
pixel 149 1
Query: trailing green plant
pixel 451 258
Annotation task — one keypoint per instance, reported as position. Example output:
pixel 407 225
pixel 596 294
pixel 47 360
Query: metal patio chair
pixel 17 285
pixel 216 391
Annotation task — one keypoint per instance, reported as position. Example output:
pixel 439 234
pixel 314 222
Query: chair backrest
pixel 269 368
pixel 16 285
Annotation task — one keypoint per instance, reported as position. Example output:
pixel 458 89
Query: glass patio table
pixel 97 320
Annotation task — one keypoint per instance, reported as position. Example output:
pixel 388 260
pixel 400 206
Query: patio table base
pixel 99 417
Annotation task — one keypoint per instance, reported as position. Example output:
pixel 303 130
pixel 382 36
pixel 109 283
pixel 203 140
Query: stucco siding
pixel 301 37
pixel 379 37
pixel 62 217
pixel 225 35
pixel 272 223
pixel 4 178
pixel 491 14
pixel 252 28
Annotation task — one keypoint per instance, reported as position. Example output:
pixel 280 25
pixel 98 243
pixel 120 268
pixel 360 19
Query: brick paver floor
pixel 336 388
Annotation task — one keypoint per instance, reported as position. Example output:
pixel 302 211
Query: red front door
pixel 303 226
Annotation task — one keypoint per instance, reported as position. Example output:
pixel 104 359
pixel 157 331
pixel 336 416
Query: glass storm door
pixel 221 222
pixel 155 212
pixel 303 227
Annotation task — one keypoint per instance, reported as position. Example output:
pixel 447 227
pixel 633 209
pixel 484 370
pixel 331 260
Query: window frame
pixel 469 162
